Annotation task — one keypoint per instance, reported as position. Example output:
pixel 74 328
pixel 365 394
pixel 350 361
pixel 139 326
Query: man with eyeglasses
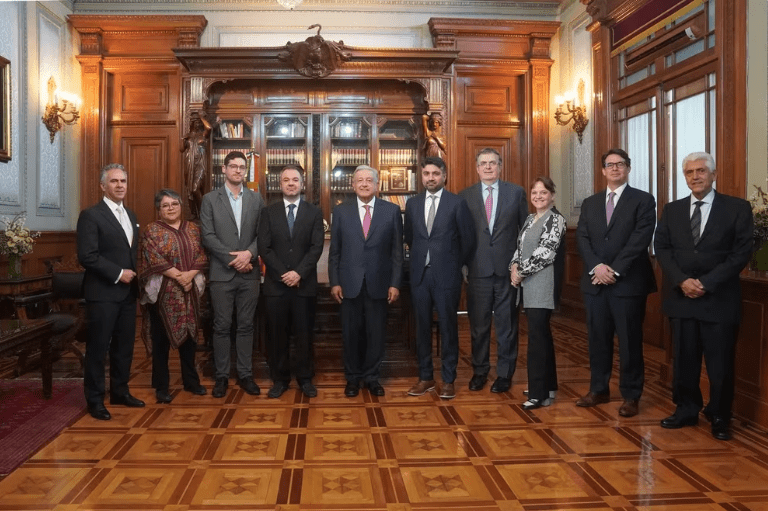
pixel 365 269
pixel 614 231
pixel 499 209
pixel 229 220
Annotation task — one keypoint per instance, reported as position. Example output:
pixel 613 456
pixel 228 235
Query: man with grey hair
pixel 107 241
pixel 365 268
pixel 702 243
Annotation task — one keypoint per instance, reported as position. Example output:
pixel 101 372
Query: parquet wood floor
pixel 478 452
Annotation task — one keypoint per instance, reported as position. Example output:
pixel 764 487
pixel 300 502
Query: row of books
pixel 218 155
pixel 400 200
pixel 397 180
pixel 398 157
pixel 351 156
pixel 229 129
pixel 286 156
pixel 273 182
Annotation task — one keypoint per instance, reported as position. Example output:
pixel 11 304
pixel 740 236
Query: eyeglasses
pixel 237 167
pixel 617 164
pixel 493 163
pixel 170 205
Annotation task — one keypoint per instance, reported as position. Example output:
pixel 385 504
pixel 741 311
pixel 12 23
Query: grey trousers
pixel 243 294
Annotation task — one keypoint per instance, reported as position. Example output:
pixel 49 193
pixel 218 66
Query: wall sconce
pixel 61 109
pixel 568 109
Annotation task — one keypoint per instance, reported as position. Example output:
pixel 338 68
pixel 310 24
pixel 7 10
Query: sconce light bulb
pixel 558 101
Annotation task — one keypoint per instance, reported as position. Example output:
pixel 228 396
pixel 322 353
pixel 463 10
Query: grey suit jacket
pixel 217 222
pixel 494 251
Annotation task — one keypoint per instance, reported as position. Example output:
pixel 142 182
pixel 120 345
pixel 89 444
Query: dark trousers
pixel 542 369
pixel 717 342
pixel 428 295
pixel 111 328
pixel 243 294
pixel 290 311
pixel 486 297
pixel 608 314
pixel 161 347
pixel 363 329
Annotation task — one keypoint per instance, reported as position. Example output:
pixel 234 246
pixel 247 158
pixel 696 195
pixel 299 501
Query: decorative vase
pixel 14 266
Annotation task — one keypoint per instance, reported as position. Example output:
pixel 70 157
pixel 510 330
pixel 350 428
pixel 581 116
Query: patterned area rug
pixel 28 421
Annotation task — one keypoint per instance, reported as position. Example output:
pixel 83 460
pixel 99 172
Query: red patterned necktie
pixel 366 220
pixel 489 204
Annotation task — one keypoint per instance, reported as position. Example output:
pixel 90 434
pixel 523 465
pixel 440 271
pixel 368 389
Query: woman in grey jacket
pixel 537 268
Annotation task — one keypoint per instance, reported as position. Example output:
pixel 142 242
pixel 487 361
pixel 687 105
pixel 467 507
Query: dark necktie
pixel 291 217
pixel 696 222
pixel 609 207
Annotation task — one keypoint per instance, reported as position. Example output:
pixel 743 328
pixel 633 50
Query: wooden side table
pixel 19 295
pixel 19 336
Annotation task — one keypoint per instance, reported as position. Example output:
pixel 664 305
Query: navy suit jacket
pixel 103 250
pixel 622 244
pixel 377 259
pixel 283 252
pixel 724 248
pixel 450 244
pixel 494 251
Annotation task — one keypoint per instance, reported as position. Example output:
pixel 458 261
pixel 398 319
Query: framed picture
pixel 5 109
pixel 398 179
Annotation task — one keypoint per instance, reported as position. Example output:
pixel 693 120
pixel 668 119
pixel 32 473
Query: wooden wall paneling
pixel 50 247
pixel 538 125
pixel 91 126
pixel 507 140
pixel 751 400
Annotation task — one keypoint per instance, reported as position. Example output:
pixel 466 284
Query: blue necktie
pixel 291 217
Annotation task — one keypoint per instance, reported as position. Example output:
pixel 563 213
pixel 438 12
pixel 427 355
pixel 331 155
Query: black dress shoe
pixel 220 387
pixel 163 396
pixel 277 390
pixel 478 382
pixel 308 389
pixel 375 388
pixel 126 400
pixel 675 422
pixel 99 412
pixel 197 390
pixel 720 428
pixel 352 389
pixel 249 386
pixel 501 385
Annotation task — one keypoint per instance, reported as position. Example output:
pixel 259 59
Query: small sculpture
pixel 195 149
pixel 315 57
pixel 434 143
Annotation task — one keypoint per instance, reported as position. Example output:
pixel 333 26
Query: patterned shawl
pixel 164 247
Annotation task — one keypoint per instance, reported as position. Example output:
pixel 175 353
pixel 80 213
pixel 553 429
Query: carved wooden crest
pixel 315 57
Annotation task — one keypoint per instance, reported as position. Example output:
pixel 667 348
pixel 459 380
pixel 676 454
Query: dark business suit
pixel 365 268
pixel 230 288
pixel 617 308
pixel 438 286
pixel 282 252
pixel 103 250
pixel 489 290
pixel 706 324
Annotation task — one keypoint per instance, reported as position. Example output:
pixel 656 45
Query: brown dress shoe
pixel 421 387
pixel 592 399
pixel 447 391
pixel 629 408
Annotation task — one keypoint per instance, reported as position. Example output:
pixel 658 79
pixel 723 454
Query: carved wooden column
pixel 91 154
pixel 538 160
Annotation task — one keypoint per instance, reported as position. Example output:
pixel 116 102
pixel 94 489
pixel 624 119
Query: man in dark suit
pixel 229 221
pixel 440 234
pixel 107 241
pixel 702 243
pixel 365 268
pixel 499 209
pixel 290 244
pixel 614 232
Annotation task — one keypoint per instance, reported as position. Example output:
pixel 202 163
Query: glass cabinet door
pixel 350 146
pixel 286 141
pixel 398 142
pixel 230 134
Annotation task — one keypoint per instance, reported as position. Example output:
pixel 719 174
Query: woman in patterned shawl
pixel 171 283
pixel 537 267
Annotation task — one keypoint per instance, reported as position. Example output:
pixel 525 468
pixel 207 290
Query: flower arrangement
pixel 15 239
pixel 759 201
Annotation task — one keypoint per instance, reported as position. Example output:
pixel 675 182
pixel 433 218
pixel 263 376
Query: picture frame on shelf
pixel 398 179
